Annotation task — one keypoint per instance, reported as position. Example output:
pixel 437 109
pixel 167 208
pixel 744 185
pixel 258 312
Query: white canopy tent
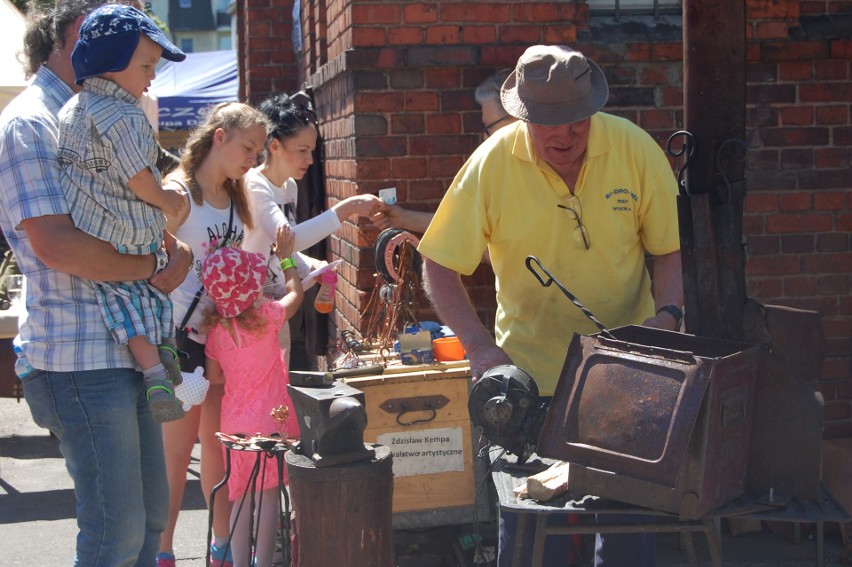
pixel 12 79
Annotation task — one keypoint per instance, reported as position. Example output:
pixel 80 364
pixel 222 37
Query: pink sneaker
pixel 165 560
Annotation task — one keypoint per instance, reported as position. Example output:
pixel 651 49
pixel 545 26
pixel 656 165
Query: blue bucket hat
pixel 109 36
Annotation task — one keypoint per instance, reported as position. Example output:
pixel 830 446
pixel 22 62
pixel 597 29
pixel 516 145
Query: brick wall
pixel 799 212
pixel 394 84
pixel 266 61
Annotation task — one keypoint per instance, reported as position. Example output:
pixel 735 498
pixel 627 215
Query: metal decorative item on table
pixel 273 446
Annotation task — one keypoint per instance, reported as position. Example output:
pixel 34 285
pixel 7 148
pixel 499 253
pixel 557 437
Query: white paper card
pixel 388 195
pixel 427 451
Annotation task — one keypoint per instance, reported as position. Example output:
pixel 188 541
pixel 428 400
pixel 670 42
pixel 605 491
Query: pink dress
pixel 255 383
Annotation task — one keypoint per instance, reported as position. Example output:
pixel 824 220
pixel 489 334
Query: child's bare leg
pixel 267 526
pixel 178 441
pixel 145 354
pixel 241 525
pixel 158 388
pixel 264 527
pixel 213 459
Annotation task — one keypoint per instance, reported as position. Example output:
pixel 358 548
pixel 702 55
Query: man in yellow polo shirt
pixel 589 194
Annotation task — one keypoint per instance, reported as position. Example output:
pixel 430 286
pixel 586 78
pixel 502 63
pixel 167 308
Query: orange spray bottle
pixel 324 302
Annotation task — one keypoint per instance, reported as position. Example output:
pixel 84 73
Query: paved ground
pixel 37 525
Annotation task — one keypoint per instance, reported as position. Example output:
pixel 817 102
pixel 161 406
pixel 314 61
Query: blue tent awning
pixel 187 88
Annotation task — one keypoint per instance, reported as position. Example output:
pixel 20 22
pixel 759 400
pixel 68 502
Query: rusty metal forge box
pixel 420 412
pixel 654 418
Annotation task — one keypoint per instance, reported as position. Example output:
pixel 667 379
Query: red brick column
pixel 267 63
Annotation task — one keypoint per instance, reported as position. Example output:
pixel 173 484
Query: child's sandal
pixel 161 399
pixel 169 356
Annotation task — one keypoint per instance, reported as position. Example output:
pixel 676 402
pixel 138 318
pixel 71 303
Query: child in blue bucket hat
pixel 108 154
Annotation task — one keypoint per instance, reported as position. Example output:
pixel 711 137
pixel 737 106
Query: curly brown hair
pixel 230 117
pixel 250 320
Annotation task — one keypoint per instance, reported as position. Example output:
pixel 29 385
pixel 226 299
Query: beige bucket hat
pixel 553 85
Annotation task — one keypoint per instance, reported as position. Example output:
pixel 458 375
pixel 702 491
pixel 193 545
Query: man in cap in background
pixel 587 193
pixel 494 117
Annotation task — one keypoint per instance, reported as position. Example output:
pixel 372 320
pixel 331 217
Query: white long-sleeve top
pixel 273 206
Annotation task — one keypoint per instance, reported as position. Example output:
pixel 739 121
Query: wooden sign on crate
pixel 420 413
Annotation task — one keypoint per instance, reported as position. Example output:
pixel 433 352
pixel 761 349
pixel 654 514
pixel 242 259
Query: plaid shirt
pixel 64 330
pixel 104 140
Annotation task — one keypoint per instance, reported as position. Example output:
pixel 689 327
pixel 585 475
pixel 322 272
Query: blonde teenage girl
pixel 217 155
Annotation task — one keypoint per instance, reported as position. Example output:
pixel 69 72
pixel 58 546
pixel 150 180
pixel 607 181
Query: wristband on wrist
pixel 161 259
pixel 287 263
pixel 674 311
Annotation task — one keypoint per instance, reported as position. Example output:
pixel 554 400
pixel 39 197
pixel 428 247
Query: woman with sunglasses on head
pixel 289 153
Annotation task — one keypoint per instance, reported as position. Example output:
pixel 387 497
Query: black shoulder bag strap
pixel 200 292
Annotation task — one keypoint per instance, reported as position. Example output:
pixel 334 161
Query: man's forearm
pixel 65 248
pixel 668 280
pixel 449 297
pixel 417 221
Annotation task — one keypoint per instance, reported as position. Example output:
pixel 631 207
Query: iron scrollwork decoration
pixel 721 153
pixel 687 150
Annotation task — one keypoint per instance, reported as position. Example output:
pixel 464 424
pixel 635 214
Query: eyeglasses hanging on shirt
pixel 571 205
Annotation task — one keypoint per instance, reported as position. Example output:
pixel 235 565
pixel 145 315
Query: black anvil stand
pixel 264 448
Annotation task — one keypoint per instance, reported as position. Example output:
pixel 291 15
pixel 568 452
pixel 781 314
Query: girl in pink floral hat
pixel 242 349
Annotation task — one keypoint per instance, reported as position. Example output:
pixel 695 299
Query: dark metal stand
pixel 507 476
pixel 506 479
pixel 264 448
pixel 824 508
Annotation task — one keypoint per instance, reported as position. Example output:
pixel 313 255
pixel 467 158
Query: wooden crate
pixel 436 472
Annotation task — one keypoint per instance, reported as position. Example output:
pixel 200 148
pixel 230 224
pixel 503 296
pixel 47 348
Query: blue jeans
pixel 113 451
pixel 625 549
pixel 557 548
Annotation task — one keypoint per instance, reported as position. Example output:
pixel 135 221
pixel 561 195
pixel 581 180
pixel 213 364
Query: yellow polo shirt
pixel 506 198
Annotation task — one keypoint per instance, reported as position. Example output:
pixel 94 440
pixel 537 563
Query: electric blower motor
pixel 505 409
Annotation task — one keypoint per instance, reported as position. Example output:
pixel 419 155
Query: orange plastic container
pixel 447 349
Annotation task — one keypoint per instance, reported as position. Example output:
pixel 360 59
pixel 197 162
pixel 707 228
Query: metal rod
pixel 530 259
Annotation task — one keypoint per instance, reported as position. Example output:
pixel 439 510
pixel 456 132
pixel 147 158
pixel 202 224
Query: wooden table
pixel 507 476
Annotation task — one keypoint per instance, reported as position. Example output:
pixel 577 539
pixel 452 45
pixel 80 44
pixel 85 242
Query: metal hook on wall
pixel 687 150
pixel 720 154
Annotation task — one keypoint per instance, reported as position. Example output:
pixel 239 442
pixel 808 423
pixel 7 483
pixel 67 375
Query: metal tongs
pixel 530 259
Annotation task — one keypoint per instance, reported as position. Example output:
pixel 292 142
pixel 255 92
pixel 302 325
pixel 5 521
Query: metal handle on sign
pixel 402 406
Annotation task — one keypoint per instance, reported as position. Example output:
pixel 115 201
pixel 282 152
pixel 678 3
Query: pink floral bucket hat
pixel 233 279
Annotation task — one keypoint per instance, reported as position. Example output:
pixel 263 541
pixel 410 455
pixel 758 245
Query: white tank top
pixel 204 230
